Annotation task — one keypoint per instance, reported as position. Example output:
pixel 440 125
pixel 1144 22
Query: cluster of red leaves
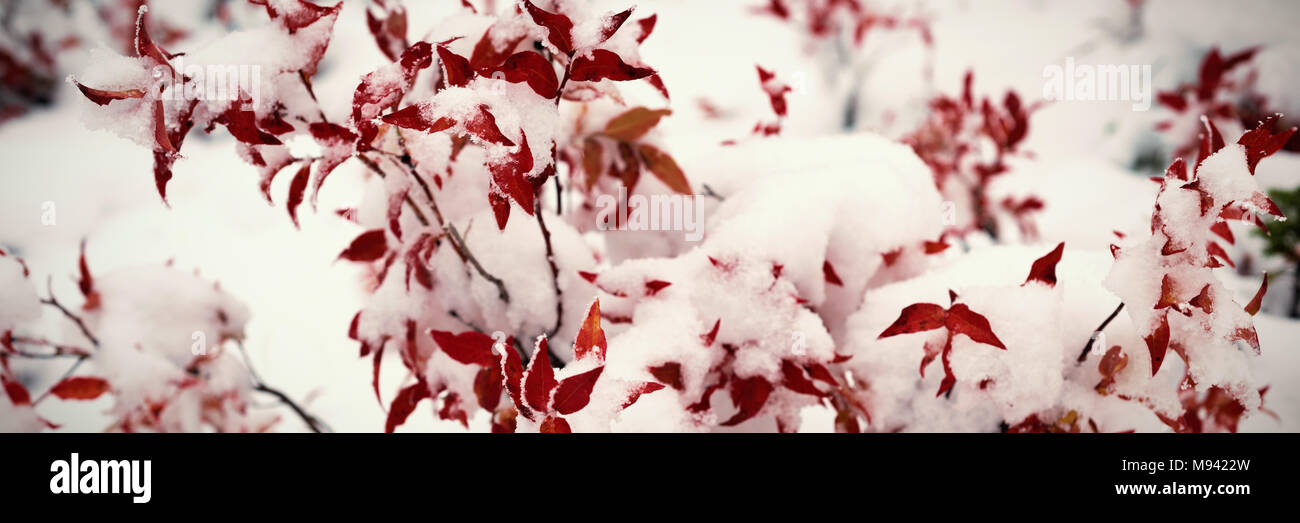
pixel 1178 245
pixel 1219 95
pixel 534 392
pixel 830 18
pixel 951 135
pixel 619 151
pixel 171 128
pixel 958 318
pixel 776 91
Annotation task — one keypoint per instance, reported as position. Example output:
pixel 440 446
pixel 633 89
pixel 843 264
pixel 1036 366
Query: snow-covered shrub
pixel 847 282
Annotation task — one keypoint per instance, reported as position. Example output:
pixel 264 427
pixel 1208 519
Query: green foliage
pixel 1283 237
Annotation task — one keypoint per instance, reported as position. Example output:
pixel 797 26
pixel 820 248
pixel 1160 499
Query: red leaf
pixel 1261 142
pixel 669 374
pixel 469 347
pixel 1252 308
pixel 369 246
pixel 962 320
pixel 647 26
pixel 559 27
pixel 512 368
pixel 379 358
pixel 102 97
pixel 387 23
pixel 539 380
pixel 555 425
pixel 591 338
pixel 749 395
pixel 483 125
pixel 404 404
pixel 486 54
pixel 639 390
pixel 917 317
pixel 612 23
pixel 793 378
pixel 572 394
pixel 86 282
pixel 602 64
pixel 665 168
pixel 1214 249
pixel 1158 343
pixel 711 336
pixel 487 387
pixel 634 123
pixel 297 189
pixel 510 175
pixel 1044 269
pixel 458 71
pixel 654 286
pixel 80 388
pixel 828 272
pixel 531 67
pixel 18 395
pixel 414 117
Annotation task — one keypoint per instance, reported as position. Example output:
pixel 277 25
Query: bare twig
pixel 1091 339
pixel 463 249
pixel 313 423
pixel 708 191
pixel 54 302
pixel 555 270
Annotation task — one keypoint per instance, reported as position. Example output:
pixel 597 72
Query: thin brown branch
pixel 314 423
pixel 1091 339
pixel 555 270
pixel 54 302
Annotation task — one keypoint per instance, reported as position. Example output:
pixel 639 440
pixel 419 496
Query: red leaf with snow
pixel 1158 343
pixel 539 380
pixel 367 247
pixel 611 23
pixel 512 370
pixel 484 125
pixel 962 320
pixel 605 64
pixel 559 27
pixel 917 317
pixel 414 117
pixel 793 378
pixel 486 54
pixel 709 337
pixel 749 395
pixel 1044 269
pixel 531 67
pixel 640 390
pixel 1262 142
pixel 387 23
pixel 80 388
pixel 572 394
pixel 669 374
pixel 457 69
pixel 103 97
pixel 510 175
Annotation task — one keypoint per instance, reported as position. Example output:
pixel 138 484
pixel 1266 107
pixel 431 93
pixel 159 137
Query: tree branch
pixel 1091 339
